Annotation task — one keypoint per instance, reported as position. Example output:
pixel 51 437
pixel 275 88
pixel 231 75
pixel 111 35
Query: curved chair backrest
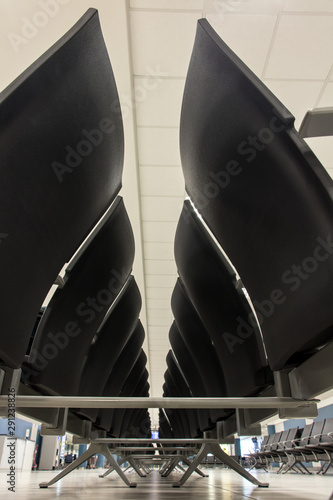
pixel 224 311
pixel 198 343
pixel 92 282
pixel 181 358
pixel 188 419
pixel 327 431
pixel 122 368
pixel 165 430
pixel 263 193
pixel 131 381
pixel 178 420
pixel 179 370
pixel 139 424
pixel 134 421
pixel 132 388
pixel 111 340
pixel 61 164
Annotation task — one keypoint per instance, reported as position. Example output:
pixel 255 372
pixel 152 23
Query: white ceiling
pixel 287 43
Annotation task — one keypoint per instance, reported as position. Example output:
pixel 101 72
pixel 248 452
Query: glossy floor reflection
pixel 222 484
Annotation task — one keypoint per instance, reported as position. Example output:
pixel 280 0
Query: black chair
pixel 112 337
pixel 206 366
pixel 135 421
pixel 75 313
pixel 222 307
pixel 192 377
pixel 180 370
pixel 323 446
pixel 133 387
pixel 188 418
pixel 60 169
pixel 122 368
pixel 130 383
pixel 264 195
pixel 177 418
pixel 165 431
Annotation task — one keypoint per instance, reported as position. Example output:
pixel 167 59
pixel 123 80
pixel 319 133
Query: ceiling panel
pixel 158 321
pixel 159 231
pixel 160 267
pixel 162 181
pixel 159 293
pixel 309 5
pixel 162 40
pixel 158 304
pixel 327 97
pixel 161 106
pixel 298 96
pixel 323 147
pixel 159 313
pixel 165 208
pixel 160 281
pixel 295 55
pixel 249 36
pixel 158 146
pixel 158 251
pixel 167 4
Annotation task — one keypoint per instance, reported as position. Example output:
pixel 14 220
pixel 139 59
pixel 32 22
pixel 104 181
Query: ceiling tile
pixel 162 181
pixel 322 148
pixel 309 5
pixel 326 99
pixel 160 313
pixel 159 331
pixel 158 304
pixel 160 267
pixel 162 41
pixel 158 322
pixel 303 48
pixel 297 96
pixel 165 208
pixel 159 293
pixel 249 36
pixel 160 281
pixel 161 106
pixel 158 251
pixel 158 146
pixel 223 7
pixel 159 231
pixel 167 4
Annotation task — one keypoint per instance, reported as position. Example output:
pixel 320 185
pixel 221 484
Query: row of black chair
pixel 59 207
pixel 293 447
pixel 253 248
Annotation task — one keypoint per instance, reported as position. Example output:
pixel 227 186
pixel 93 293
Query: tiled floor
pixel 222 484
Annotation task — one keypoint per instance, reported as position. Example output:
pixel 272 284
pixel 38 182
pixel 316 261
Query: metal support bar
pixel 60 428
pixel 174 403
pixel 93 449
pixel 317 122
pixel 283 389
